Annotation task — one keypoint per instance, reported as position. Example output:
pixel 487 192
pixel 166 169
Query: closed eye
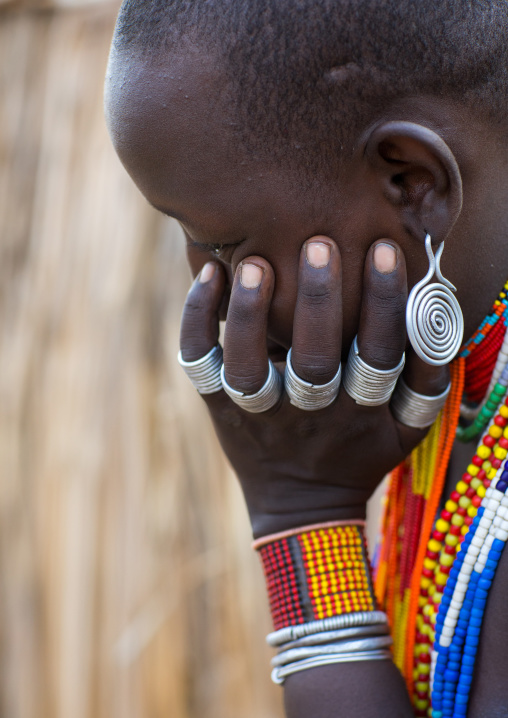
pixel 202 247
pixel 223 251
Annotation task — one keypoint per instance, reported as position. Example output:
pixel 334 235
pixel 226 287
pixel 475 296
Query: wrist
pixel 321 598
pixel 273 522
pixel 296 503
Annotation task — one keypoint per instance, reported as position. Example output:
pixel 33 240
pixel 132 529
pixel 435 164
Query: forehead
pixel 174 129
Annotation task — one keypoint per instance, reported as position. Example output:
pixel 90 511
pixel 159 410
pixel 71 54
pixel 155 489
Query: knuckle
pixel 386 321
pixel 390 298
pixel 381 355
pixel 307 428
pixel 192 348
pixel 196 303
pixel 243 308
pixel 244 379
pixel 315 295
pixel 229 415
pixel 312 368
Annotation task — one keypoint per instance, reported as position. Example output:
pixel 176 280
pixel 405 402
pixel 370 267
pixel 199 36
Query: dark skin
pixel 308 267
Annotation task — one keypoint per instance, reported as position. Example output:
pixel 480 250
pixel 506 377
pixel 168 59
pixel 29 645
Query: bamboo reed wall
pixel 128 588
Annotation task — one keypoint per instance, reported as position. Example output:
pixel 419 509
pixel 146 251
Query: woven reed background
pixel 128 588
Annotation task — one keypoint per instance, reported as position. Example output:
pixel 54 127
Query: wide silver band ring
pixel 307 396
pixel 204 373
pixel 262 400
pixel 416 410
pixel 365 384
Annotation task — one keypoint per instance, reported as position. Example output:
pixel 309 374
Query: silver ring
pixel 416 410
pixel 204 373
pixel 307 396
pixel 262 400
pixel 365 384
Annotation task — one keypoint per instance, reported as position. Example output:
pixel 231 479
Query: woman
pixel 317 156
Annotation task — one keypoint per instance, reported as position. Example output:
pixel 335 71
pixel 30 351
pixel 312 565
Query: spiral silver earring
pixel 434 320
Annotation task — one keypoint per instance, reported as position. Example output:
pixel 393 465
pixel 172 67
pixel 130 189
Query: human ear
pixel 418 175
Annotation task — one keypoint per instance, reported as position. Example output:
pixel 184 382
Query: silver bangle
pixel 262 400
pixel 365 384
pixel 416 410
pixel 307 396
pixel 346 620
pixel 355 646
pixel 330 636
pixel 204 373
pixel 280 674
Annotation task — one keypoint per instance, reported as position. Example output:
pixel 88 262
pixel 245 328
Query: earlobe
pixel 419 175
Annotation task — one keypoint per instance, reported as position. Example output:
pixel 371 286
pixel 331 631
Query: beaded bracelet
pixel 317 573
pixel 321 598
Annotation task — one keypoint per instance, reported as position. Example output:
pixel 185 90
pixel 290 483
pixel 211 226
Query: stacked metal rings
pixel 262 400
pixel 416 410
pixel 307 396
pixel 204 373
pixel 365 384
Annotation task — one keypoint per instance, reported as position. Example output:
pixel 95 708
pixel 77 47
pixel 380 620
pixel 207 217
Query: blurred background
pixel 128 588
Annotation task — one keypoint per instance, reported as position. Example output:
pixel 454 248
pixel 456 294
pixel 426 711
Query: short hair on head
pixel 303 76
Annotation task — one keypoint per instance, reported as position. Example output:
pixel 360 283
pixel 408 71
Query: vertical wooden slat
pixel 128 588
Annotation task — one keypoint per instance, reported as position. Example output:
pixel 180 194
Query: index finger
pixel 199 331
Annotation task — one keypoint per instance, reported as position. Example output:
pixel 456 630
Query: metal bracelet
pixel 346 620
pixel 307 396
pixel 316 639
pixel 262 400
pixel 367 385
pixel 279 674
pixel 204 373
pixel 416 410
pixel 355 646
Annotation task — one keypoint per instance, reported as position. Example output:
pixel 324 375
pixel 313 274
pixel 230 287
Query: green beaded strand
pixel 486 413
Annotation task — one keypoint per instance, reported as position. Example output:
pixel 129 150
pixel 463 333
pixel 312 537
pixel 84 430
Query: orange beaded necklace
pixel 417 546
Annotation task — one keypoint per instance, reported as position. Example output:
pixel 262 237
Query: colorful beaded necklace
pixel 418 553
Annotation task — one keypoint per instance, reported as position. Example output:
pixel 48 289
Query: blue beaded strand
pixel 490 320
pixel 441 665
pixel 454 660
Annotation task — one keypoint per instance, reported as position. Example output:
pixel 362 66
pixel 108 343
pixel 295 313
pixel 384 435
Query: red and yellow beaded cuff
pixel 317 572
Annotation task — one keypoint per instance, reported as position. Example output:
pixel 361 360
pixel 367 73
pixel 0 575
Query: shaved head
pixel 301 78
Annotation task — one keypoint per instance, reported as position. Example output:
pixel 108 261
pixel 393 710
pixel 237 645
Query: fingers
pixel 382 331
pixel 200 322
pixel 317 329
pixel 245 345
pixel 424 378
pixel 414 415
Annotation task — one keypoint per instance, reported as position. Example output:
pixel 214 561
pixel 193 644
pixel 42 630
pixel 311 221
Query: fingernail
pixel 318 254
pixel 385 258
pixel 207 272
pixel 250 276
